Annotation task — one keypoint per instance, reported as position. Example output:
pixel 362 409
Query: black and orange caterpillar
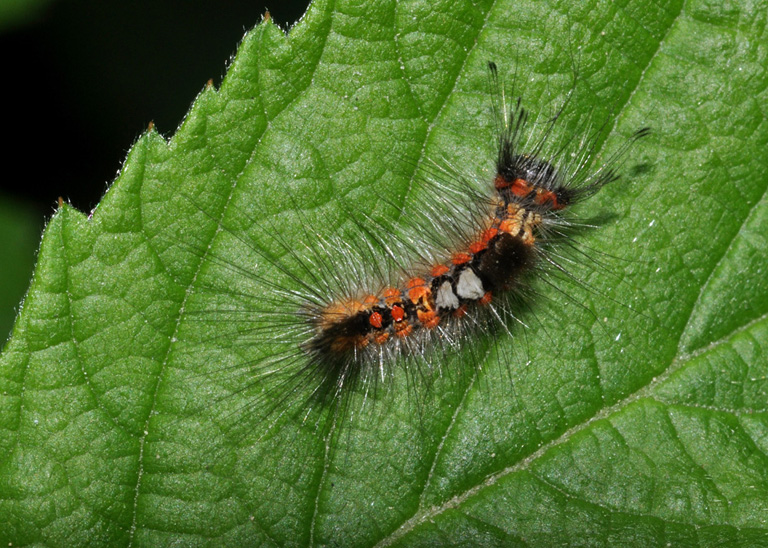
pixel 466 266
pixel 529 195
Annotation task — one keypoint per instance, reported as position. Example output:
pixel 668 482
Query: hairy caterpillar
pixel 403 297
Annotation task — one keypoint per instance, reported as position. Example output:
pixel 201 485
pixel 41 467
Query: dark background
pixel 83 79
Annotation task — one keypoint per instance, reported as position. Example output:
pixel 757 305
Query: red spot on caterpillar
pixel 376 320
pixel 461 258
pixel 488 234
pixel 477 247
pixel 428 319
pixel 486 299
pixel 417 290
pixel 520 188
pixel 403 329
pixel 509 226
pixel 439 270
pixel 398 314
pixel 391 295
pixel 547 197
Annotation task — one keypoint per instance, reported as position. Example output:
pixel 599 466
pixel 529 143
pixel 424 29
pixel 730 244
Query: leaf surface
pixel 636 411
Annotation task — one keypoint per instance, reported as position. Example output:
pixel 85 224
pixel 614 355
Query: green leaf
pixel 636 412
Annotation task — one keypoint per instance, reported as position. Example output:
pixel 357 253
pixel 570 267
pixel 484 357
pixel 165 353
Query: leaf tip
pixel 266 17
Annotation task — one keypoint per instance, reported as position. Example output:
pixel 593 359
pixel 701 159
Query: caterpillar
pixel 405 296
